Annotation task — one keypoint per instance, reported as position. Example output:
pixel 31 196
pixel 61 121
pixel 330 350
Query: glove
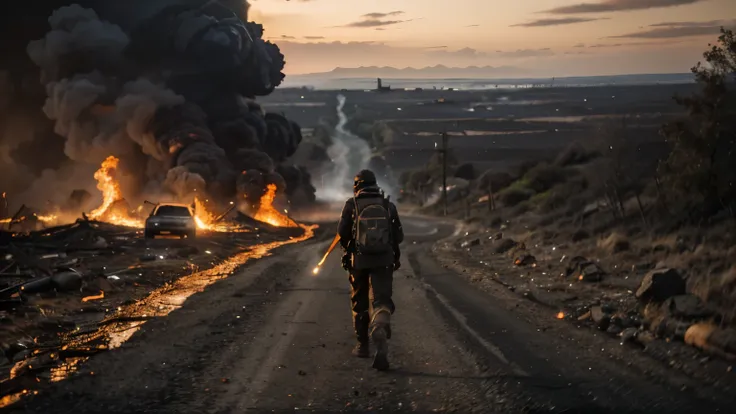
pixel 346 262
pixel 397 265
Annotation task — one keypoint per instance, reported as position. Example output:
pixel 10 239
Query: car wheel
pixel 148 234
pixel 192 235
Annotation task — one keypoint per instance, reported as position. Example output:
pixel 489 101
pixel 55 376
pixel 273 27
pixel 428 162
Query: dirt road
pixel 275 338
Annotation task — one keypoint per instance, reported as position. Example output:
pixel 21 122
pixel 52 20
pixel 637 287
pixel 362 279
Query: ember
pixel 94 297
pixel 267 213
pixel 561 315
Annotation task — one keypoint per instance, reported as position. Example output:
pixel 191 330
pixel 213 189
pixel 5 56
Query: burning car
pixel 171 219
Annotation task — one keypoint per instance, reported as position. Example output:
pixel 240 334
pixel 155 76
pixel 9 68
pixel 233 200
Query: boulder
pixel 505 245
pixel 686 307
pixel 660 284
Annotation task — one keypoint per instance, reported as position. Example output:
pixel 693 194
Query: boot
pixel 381 325
pixel 361 350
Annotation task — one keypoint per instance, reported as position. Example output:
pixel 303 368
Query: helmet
pixel 363 179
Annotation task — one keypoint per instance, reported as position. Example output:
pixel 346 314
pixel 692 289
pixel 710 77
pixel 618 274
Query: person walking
pixel 370 233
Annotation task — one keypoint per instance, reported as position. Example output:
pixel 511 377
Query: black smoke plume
pixel 169 87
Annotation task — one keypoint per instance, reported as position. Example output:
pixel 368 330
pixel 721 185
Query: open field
pixel 491 128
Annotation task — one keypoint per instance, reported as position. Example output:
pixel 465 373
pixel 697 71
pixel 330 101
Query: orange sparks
pixel 267 213
pixel 561 315
pixel 107 183
pixel 94 297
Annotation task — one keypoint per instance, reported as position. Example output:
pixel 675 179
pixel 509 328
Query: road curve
pixel 275 338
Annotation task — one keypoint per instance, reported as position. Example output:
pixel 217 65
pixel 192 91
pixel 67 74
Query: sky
pixel 543 37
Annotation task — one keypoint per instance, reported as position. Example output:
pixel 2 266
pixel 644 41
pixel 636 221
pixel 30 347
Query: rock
pixel 629 335
pixel 67 281
pixel 724 339
pixel 591 273
pixel 505 245
pixel 614 330
pixel 670 328
pixel 584 270
pixel 660 284
pixel 686 307
pixel 498 236
pixel 644 337
pixel 601 318
pixel 525 260
pixel 470 243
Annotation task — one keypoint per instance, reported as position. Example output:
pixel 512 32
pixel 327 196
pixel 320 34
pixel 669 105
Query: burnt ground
pixel 67 291
pixel 273 337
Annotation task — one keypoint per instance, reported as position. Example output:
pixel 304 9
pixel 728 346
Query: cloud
pixel 672 30
pixel 629 44
pixel 436 47
pixel 556 22
pixel 473 25
pixel 314 37
pixel 524 53
pixel 376 20
pixel 619 5
pixel 579 45
pixel 287 37
pixel 381 15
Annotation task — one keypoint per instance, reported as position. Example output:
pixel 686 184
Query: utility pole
pixel 443 150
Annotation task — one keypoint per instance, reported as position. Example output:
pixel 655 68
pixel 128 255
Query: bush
pixel 512 196
pixel 499 181
pixel 575 154
pixel 466 172
pixel 544 176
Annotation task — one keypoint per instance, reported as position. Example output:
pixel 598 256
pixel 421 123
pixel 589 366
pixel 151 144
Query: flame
pixel 315 270
pixel 267 213
pixel 94 297
pixel 46 219
pixel 108 184
pixel 207 220
pixel 561 315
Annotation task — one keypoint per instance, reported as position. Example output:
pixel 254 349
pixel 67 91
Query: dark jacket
pixel 346 227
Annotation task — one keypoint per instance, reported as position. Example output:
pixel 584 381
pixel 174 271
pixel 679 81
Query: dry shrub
pixel 614 243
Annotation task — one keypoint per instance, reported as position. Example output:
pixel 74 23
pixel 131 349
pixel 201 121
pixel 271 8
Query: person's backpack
pixel 372 225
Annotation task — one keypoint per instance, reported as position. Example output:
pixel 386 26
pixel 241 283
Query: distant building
pixel 382 88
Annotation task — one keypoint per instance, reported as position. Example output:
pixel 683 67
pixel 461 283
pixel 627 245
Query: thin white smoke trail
pixel 348 154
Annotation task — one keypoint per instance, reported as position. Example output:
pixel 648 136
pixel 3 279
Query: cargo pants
pixel 370 288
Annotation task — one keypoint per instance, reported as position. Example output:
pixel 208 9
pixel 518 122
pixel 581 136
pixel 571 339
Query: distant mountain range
pixel 437 71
